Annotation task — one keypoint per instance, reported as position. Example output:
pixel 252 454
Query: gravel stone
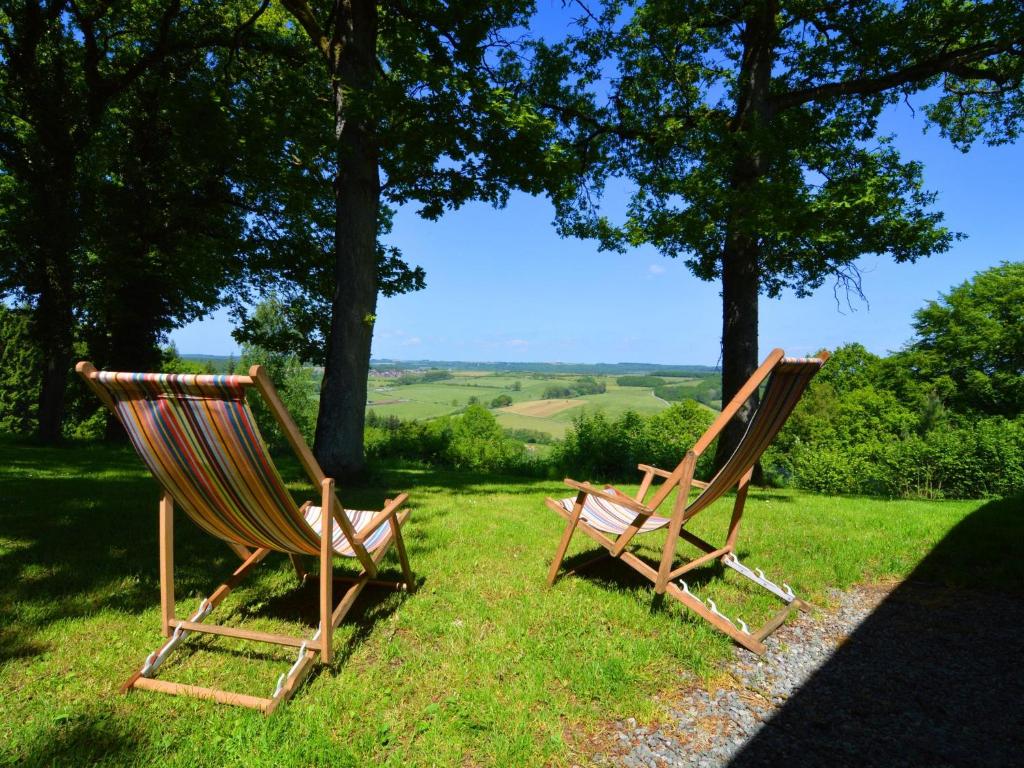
pixel 895 675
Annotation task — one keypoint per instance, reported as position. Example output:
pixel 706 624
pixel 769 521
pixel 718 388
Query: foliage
pixel 530 436
pixel 973 338
pixel 749 135
pixel 501 401
pixel 640 381
pixel 472 440
pixel 707 390
pixel 293 380
pixel 585 385
pixel 19 373
pixel 598 448
pixel 421 378
pixel 119 159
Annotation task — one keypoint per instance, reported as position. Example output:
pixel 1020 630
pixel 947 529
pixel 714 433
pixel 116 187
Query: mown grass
pixel 482 666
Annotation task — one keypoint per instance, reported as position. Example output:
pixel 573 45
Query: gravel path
pixel 902 675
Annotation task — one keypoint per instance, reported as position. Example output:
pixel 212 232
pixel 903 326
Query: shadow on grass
pixel 933 676
pixel 84 740
pixel 78 535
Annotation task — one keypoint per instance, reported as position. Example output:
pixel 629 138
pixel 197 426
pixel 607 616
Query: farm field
pixel 529 409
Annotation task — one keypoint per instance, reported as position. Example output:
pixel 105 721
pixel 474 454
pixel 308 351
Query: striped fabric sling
pixel 786 386
pixel 197 434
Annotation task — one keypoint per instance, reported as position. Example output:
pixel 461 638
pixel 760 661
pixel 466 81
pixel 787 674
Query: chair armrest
pixel 381 517
pixel 647 469
pixel 614 497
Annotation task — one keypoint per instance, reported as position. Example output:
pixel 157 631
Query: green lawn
pixel 482 666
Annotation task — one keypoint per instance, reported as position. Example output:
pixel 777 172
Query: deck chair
pixel 198 437
pixel 613 519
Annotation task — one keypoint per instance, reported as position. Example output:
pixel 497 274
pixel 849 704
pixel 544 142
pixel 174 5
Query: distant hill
pixel 220 363
pixel 610 369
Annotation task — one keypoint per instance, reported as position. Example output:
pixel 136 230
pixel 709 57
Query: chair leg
pixel 396 532
pixel 326 574
pixel 563 545
pixel 166 563
pixel 300 568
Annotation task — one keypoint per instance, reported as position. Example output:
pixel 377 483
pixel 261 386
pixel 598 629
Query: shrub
pixel 501 401
pixel 640 381
pixel 596 447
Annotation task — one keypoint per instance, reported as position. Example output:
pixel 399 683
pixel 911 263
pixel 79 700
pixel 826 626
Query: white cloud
pixel 518 343
pixel 656 269
pixel 412 341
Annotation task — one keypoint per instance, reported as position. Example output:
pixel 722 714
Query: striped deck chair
pixel 198 437
pixel 612 519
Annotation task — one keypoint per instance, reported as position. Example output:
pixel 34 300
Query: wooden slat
pixel 246 634
pixel 346 602
pixel 166 562
pixel 292 684
pixel 291 431
pixel 198 692
pixel 774 622
pixel 697 562
pixel 240 572
pixel 750 642
pixel 697 541
pixel 326 569
pixel 381 517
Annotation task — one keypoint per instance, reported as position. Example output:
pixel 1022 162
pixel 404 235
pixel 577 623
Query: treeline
pixel 706 389
pixel 422 378
pixel 585 385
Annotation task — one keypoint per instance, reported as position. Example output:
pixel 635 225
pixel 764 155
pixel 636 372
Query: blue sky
pixel 501 284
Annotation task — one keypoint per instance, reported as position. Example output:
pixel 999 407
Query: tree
pixel 974 337
pixel 19 365
pixel 749 133
pixel 74 75
pixel 416 114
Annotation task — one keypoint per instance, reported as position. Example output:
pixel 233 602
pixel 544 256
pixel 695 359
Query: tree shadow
pixel 932 677
pixel 613 574
pixel 83 740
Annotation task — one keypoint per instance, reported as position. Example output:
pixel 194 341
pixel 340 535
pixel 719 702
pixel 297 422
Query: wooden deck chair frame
pixel 665 576
pixel 320 643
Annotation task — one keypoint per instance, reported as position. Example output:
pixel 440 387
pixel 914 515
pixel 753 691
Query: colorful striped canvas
pixel 786 386
pixel 198 436
pixel 610 517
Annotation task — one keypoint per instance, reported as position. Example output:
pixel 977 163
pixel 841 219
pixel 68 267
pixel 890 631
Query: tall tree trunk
pixel 741 255
pixel 53 332
pixel 740 289
pixel 341 420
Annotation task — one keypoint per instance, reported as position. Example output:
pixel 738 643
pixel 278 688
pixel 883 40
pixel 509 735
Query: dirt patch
pixel 542 409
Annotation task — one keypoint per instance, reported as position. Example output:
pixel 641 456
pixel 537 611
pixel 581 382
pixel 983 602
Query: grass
pixel 482 666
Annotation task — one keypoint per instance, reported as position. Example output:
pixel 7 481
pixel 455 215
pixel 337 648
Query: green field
pixel 483 666
pixel 438 398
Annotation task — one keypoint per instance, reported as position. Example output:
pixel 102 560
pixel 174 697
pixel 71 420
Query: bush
pixel 596 447
pixel 640 381
pixel 585 385
pixel 501 401
pixel 19 373
pixel 473 440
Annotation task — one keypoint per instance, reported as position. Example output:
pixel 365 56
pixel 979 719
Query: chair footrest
pixel 198 692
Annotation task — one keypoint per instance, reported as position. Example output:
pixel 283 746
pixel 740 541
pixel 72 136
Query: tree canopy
pixel 973 337
pixel 749 134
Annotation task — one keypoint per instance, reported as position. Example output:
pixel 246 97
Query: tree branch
pixel 307 20
pixel 952 62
